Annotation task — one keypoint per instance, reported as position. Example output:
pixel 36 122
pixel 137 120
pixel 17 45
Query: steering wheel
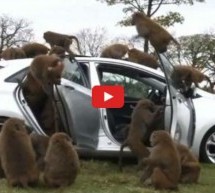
pixel 155 96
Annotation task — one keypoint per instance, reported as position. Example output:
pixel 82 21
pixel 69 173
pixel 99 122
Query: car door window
pixel 133 88
pixel 75 72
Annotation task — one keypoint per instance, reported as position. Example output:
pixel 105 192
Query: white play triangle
pixel 107 96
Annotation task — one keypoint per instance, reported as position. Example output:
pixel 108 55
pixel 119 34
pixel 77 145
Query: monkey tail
pixel 77 41
pixel 125 144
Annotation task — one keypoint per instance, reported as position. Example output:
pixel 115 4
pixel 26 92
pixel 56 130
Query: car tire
pixel 207 147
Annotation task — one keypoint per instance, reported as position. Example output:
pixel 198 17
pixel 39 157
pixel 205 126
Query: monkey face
pixel 146 104
pixel 137 16
pixel 60 137
pixel 58 50
pixel 133 19
pixel 55 71
pixel 15 125
pixel 158 136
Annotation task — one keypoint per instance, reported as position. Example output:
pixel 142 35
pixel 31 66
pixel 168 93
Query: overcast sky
pixel 70 16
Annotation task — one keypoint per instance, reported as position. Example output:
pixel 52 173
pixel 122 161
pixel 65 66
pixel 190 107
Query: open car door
pixel 74 99
pixel 182 126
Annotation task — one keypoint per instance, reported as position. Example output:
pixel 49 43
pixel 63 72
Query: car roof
pixel 122 62
pixel 12 66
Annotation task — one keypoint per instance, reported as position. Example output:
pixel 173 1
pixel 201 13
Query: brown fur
pixel 34 93
pixel 34 49
pixel 13 53
pixel 163 164
pixel 184 76
pixel 58 50
pixel 40 145
pixel 63 40
pixel 143 116
pixel 137 56
pixel 116 51
pixel 17 154
pixel 156 34
pixel 50 121
pixel 2 174
pixel 61 161
pixel 45 71
pixel 189 164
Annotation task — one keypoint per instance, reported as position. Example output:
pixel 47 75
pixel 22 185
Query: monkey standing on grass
pixel 190 167
pixel 40 145
pixel 163 164
pixel 143 116
pixel 17 154
pixel 61 161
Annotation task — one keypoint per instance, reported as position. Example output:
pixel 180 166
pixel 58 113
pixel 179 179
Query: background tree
pixel 150 7
pixel 14 32
pixel 196 50
pixel 92 40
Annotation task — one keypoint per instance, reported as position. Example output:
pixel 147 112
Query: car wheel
pixel 207 149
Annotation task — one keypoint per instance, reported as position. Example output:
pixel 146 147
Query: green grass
pixel 104 177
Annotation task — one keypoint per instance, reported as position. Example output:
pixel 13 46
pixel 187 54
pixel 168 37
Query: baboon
pixel 143 116
pixel 40 145
pixel 45 71
pixel 63 40
pixel 156 34
pixel 184 76
pixel 190 167
pixel 58 50
pixel 34 94
pixel 163 164
pixel 34 49
pixel 13 53
pixel 137 56
pixel 61 161
pixel 49 118
pixel 2 175
pixel 17 154
pixel 116 51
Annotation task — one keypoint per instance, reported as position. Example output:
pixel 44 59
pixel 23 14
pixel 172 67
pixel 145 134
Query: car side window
pixel 133 88
pixel 17 76
pixel 74 72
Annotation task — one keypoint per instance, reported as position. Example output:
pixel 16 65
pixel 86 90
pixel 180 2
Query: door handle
pixel 69 87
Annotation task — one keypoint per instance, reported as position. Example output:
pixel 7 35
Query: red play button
pixel 108 96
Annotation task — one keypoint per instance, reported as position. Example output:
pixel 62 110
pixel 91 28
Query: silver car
pixel 99 131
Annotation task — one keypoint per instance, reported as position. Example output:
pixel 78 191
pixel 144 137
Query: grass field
pixel 104 177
